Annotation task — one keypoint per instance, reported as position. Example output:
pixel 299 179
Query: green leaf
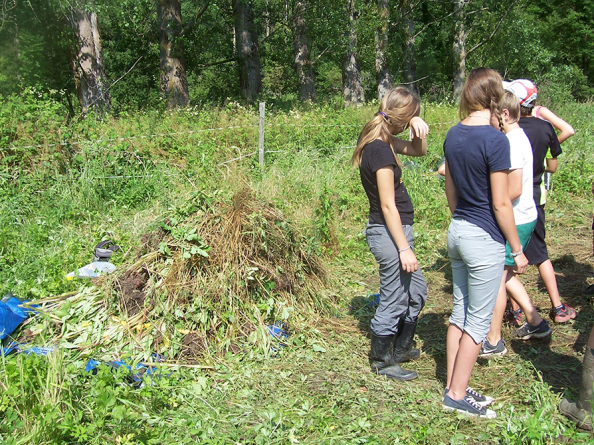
pixel 318 348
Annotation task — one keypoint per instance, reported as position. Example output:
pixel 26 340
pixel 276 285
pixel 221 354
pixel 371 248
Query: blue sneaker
pixel 467 406
pixel 478 397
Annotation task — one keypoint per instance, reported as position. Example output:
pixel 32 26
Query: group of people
pixel 495 158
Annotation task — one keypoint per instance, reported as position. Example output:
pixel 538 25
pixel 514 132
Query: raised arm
pixel 385 186
pixel 566 130
pixel 502 207
pixel 418 145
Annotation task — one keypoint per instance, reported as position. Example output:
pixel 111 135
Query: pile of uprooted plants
pixel 213 277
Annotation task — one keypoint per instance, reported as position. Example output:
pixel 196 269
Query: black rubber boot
pixel 403 347
pixel 382 361
pixel 581 411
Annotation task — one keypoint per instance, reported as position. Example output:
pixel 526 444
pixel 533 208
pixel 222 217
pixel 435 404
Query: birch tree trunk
pixel 174 84
pixel 89 69
pixel 351 75
pixel 303 66
pixel 459 47
pixel 410 70
pixel 382 66
pixel 247 46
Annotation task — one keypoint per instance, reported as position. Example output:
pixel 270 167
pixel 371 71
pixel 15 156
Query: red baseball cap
pixel 524 90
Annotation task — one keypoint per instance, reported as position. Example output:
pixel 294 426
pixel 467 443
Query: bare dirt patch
pixel 131 290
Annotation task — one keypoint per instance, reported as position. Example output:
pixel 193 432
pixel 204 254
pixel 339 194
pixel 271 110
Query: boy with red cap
pixel 544 140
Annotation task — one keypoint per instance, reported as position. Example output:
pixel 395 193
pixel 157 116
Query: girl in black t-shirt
pixel 403 290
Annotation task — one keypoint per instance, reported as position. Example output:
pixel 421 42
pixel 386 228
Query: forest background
pixel 139 54
pixel 137 121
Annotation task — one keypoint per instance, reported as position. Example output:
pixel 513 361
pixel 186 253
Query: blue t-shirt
pixel 472 153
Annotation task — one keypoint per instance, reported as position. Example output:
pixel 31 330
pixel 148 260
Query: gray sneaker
pixel 488 350
pixel 527 331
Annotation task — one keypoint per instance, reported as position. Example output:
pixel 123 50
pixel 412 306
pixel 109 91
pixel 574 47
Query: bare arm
pixel 502 207
pixel 441 169
pixel 566 130
pixel 385 186
pixel 450 190
pixel 514 179
pixel 418 145
pixel 551 165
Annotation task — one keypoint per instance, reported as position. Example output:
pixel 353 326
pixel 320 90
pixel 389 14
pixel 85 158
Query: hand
pixel 419 128
pixel 408 261
pixel 521 263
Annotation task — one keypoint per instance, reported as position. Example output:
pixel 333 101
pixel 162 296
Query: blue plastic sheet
pixel 11 315
pixel 135 374
pixel 373 300
pixel 25 348
pixel 277 330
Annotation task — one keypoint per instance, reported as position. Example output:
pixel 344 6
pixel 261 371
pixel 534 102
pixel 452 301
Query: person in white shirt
pixel 521 193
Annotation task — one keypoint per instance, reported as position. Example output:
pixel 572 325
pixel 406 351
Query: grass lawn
pixel 316 387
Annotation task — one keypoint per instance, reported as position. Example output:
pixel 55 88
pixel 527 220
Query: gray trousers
pixel 477 267
pixel 402 294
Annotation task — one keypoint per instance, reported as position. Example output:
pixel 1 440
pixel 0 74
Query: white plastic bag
pixel 92 270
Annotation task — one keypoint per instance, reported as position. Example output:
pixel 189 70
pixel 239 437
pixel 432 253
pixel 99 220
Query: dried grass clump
pixel 210 281
pixel 226 268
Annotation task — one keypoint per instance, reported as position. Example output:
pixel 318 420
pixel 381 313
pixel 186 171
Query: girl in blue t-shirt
pixel 403 290
pixel 477 163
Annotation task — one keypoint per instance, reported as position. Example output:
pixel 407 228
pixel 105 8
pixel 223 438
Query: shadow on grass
pixel 363 310
pixel 432 330
pixel 559 371
pixel 571 279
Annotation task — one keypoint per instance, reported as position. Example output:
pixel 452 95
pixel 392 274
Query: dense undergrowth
pixel 150 181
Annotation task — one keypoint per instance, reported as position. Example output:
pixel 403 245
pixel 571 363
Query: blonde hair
pixel 483 89
pixel 397 108
pixel 510 102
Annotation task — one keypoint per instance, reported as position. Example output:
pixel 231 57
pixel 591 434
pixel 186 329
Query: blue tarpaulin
pixel 11 315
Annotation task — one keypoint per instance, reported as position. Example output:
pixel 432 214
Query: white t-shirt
pixel 521 157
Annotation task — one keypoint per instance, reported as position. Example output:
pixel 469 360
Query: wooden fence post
pixel 261 138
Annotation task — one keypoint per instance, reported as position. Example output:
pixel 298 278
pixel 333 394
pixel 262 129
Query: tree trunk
pixel 382 66
pixel 410 70
pixel 17 51
pixel 89 70
pixel 351 75
pixel 303 66
pixel 247 46
pixel 174 84
pixel 459 47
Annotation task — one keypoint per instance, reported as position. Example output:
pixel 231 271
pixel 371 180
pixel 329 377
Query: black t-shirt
pixel 542 138
pixel 376 155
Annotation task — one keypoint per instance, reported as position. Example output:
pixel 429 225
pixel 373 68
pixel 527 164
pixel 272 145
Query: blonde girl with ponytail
pixel 403 290
pixel 476 183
